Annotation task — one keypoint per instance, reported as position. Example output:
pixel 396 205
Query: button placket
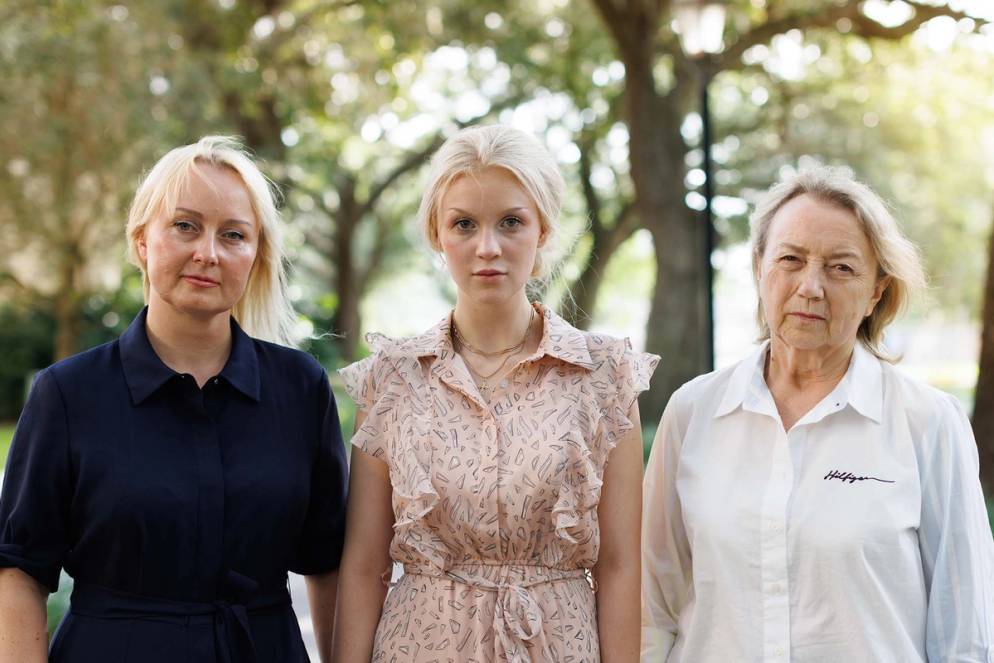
pixel 773 537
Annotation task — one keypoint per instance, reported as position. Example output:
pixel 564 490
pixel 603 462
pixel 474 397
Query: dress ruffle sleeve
pixel 622 374
pixel 388 386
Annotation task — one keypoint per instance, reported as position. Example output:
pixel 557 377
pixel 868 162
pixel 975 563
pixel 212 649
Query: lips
pixel 807 316
pixel 200 281
pixel 488 273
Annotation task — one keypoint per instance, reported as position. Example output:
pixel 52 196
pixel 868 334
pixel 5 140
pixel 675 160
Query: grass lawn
pixel 6 434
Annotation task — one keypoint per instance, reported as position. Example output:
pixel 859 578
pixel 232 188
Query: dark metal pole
pixel 708 221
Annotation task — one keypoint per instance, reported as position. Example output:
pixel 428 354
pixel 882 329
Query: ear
pixel 142 246
pixel 543 235
pixel 878 292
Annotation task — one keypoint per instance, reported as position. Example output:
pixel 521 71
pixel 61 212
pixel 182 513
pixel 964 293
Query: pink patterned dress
pixel 495 504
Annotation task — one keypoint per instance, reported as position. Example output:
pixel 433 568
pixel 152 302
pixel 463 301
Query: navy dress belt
pixel 232 631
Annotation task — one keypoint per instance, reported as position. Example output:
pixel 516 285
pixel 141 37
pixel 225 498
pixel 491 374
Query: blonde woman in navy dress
pixel 179 472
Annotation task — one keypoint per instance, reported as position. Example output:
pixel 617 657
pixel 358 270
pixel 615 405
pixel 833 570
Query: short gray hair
pixel 497 146
pixel 897 257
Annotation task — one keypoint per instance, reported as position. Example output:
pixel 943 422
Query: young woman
pixel 481 455
pixel 179 472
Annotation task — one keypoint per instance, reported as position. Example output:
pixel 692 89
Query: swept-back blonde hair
pixel 496 146
pixel 897 257
pixel 264 310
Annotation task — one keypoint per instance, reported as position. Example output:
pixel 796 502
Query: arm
pixel 955 541
pixel 617 571
pixel 23 620
pixel 369 530
pixel 322 590
pixel 666 558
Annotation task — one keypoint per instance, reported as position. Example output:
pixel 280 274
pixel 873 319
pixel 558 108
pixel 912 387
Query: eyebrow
pixel 193 212
pixel 522 208
pixel 842 253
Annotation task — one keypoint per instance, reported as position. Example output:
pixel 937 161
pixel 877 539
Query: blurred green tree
pixel 73 138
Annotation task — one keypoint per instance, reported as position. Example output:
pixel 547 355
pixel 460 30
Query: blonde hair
pixel 897 257
pixel 496 146
pixel 264 310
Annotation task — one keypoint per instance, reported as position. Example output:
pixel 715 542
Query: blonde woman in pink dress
pixel 497 456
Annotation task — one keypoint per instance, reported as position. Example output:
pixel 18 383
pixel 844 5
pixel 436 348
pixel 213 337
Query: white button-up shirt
pixel 859 535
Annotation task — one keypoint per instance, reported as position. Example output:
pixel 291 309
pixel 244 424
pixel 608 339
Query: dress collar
pixel 145 373
pixel 559 339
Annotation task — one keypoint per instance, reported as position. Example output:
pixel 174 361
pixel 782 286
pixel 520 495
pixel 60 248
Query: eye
pixel 463 224
pixel 789 259
pixel 512 222
pixel 183 225
pixel 233 235
pixel 845 269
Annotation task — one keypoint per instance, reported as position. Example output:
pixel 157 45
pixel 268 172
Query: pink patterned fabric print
pixel 495 503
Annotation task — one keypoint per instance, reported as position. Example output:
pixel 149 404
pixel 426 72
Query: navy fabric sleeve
pixel 37 489
pixel 320 547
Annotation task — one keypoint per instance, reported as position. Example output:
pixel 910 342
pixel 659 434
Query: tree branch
pixel 863 25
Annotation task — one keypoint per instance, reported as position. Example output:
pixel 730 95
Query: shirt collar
pixel 861 387
pixel 742 389
pixel 559 339
pixel 145 373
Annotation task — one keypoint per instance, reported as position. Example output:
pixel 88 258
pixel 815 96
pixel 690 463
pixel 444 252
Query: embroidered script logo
pixel 849 477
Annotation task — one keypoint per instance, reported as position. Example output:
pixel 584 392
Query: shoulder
pixel 288 365
pixel 703 394
pixel 926 408
pixel 97 363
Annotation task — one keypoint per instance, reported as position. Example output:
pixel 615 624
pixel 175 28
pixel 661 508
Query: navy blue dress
pixel 177 511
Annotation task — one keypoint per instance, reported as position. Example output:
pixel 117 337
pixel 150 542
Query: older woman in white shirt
pixel 813 503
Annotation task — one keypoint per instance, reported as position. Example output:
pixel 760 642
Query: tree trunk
pixel 676 327
pixel 346 318
pixel 983 405
pixel 579 308
pixel 68 317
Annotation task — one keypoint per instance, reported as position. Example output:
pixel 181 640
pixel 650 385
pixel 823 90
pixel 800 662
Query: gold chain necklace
pixel 485 388
pixel 457 336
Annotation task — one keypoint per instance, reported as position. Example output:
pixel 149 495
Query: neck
pixel 491 327
pixel 794 368
pixel 187 344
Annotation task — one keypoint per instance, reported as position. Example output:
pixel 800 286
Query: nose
pixel 812 282
pixel 206 250
pixel 488 246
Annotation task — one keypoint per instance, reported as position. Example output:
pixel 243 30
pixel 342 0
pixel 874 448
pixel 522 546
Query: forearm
pixel 23 618
pixel 618 613
pixel 363 594
pixel 322 592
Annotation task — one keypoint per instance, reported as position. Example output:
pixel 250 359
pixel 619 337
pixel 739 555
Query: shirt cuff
pixel 656 644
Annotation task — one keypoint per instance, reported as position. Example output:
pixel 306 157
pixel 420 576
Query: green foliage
pixel 6 435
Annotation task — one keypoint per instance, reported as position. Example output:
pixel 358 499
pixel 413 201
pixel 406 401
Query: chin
pixel 497 293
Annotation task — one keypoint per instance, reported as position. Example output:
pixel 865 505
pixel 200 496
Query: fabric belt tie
pixel 230 618
pixel 517 615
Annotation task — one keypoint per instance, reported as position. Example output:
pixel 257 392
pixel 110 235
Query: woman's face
pixel 818 276
pixel 198 256
pixel 490 231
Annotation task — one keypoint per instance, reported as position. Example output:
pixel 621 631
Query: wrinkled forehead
pixel 819 227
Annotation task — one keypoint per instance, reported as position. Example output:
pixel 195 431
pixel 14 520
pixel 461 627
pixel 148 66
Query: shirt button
pixel 504 383
pixel 779 651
